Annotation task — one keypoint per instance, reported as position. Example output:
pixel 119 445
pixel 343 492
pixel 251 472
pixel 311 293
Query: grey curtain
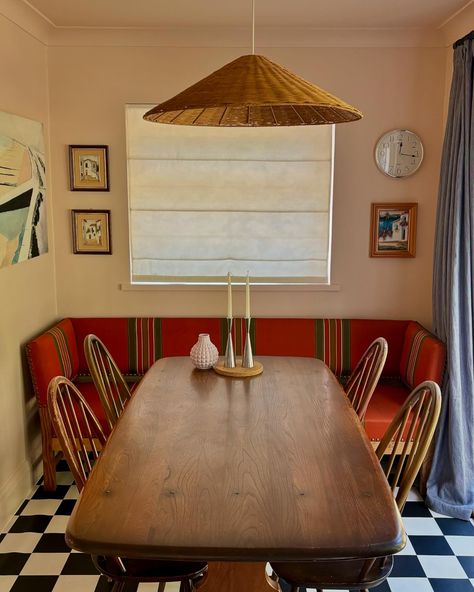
pixel 450 487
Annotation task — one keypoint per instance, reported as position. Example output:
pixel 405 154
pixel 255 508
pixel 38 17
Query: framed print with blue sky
pixel 393 230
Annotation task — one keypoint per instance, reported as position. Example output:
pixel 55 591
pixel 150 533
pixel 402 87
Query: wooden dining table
pixel 237 472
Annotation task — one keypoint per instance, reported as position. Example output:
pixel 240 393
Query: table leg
pixel 235 576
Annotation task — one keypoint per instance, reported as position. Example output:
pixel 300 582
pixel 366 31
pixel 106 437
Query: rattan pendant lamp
pixel 253 91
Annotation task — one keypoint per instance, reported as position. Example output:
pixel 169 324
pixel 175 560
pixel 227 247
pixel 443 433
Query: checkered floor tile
pixel 439 556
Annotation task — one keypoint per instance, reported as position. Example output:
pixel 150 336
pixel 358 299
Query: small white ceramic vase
pixel 204 353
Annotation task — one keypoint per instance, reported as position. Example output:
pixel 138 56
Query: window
pixel 204 201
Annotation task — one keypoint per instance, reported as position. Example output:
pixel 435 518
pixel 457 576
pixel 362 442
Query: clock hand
pixel 404 153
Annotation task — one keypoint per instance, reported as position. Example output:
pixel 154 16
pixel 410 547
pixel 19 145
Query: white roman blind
pixel 204 201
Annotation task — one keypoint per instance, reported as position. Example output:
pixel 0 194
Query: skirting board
pixel 14 491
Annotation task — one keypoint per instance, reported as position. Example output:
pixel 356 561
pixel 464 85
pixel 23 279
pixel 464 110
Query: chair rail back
pixel 109 382
pixel 77 428
pixel 413 427
pixel 362 382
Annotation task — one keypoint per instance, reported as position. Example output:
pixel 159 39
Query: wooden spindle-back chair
pixel 82 438
pixel 362 382
pixel 412 430
pixel 413 427
pixel 109 382
pixel 76 426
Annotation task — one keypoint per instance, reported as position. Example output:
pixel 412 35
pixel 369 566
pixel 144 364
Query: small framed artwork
pixel 393 230
pixel 91 232
pixel 89 168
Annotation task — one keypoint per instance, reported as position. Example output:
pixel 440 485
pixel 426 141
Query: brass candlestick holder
pixel 247 358
pixel 229 359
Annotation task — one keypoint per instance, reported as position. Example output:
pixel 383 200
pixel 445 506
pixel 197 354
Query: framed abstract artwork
pixel 393 230
pixel 89 168
pixel 23 190
pixel 91 232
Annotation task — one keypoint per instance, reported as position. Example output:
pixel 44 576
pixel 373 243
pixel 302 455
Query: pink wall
pixel 394 87
pixel 27 290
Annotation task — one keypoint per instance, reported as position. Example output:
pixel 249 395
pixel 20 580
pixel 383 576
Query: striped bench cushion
pixel 423 357
pixel 51 354
pixel 326 339
pixel 135 343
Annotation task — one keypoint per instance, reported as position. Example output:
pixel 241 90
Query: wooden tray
pixel 238 371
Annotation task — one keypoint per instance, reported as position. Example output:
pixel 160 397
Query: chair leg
pixel 161 587
pixel 49 457
pixel 118 587
pixel 185 586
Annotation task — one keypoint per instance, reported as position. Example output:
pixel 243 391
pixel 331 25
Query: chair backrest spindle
pixel 362 382
pixel 109 382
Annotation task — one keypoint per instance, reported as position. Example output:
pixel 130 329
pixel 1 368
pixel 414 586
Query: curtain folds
pixel 450 487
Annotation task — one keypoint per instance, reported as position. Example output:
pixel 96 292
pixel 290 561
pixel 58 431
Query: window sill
pixel 129 287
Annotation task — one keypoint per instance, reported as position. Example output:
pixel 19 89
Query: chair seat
pixel 335 573
pixel 389 396
pixel 92 397
pixel 149 570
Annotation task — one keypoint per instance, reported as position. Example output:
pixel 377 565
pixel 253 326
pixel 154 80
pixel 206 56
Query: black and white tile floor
pixel 439 556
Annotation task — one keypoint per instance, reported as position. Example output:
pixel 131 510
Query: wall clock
pixel 399 153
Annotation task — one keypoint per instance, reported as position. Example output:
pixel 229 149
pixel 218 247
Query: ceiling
pixel 331 14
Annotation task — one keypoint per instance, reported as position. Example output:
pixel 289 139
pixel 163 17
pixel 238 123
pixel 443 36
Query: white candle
pixel 247 297
pixel 229 296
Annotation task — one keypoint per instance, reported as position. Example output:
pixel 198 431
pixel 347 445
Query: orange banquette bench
pixel 414 355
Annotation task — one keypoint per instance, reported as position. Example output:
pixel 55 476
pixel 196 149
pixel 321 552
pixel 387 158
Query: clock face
pixel 399 153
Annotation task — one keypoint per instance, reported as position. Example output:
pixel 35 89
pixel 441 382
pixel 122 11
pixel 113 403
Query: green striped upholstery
pixel 414 352
pixel 52 353
pixel 144 343
pixel 423 356
pixel 60 342
pixel 333 344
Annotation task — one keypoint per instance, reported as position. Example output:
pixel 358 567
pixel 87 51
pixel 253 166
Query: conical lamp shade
pixel 253 91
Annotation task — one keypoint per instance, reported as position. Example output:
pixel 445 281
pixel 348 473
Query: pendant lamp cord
pixel 253 27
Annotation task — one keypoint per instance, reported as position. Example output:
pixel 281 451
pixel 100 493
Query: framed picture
pixel 89 168
pixel 91 232
pixel 393 230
